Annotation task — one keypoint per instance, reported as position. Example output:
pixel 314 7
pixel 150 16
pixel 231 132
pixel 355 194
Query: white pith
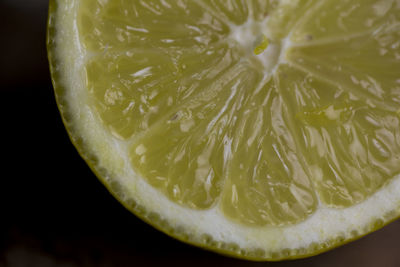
pixel 325 224
pixel 250 34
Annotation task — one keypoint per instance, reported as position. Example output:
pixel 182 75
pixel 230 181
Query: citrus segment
pixel 185 155
pixel 288 15
pixel 260 9
pixel 231 11
pixel 111 78
pixel 266 183
pixel 116 25
pixel 346 142
pixel 369 71
pixel 340 20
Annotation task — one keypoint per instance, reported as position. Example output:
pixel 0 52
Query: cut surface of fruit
pixel 260 129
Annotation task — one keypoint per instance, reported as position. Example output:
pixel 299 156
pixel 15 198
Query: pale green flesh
pixel 208 125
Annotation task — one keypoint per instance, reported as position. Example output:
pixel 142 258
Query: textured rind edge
pixel 153 218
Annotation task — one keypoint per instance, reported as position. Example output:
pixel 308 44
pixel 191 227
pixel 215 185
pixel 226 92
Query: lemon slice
pixel 264 130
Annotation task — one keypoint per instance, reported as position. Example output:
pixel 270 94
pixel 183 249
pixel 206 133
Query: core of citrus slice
pixel 259 129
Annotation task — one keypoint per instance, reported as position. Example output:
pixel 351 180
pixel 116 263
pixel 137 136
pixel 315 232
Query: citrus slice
pixel 259 129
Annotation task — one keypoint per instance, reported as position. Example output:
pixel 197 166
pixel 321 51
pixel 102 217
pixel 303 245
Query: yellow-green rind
pixel 207 243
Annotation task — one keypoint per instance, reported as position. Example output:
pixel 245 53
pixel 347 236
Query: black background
pixel 54 211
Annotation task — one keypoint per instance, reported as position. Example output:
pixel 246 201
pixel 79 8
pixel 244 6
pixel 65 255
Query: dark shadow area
pixel 54 211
